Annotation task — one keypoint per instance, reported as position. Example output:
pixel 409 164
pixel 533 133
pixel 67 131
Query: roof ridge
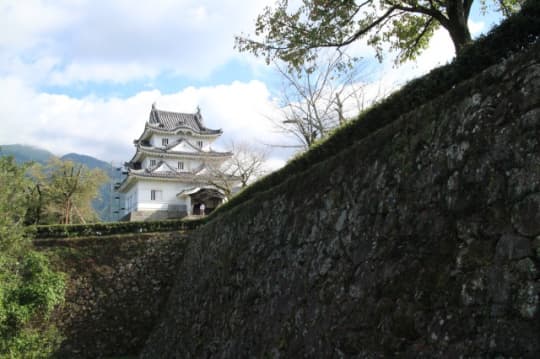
pixel 167 151
pixel 179 113
pixel 172 121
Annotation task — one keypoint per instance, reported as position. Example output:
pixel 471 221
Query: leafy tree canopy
pixel 13 187
pixel 29 289
pixel 63 192
pixel 293 34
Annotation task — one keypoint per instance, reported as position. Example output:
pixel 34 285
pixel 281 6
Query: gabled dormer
pixel 185 145
pixel 161 166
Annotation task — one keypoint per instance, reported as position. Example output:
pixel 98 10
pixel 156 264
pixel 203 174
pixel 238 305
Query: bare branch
pixel 314 99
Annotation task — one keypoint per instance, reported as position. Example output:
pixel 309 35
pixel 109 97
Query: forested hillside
pixel 105 204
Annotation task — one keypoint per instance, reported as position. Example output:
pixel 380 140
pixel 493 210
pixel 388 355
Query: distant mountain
pixel 88 161
pixel 25 153
pixel 105 205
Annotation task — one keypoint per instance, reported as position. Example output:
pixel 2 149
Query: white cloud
pixel 242 110
pixel 26 23
pixel 67 42
pixel 476 27
pixel 440 51
pixel 134 40
pixel 113 73
pixel 105 128
pixel 274 163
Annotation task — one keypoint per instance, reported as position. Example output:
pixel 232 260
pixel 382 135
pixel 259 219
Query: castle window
pixel 156 195
pixel 152 163
pixel 200 144
pixel 180 165
pixel 164 141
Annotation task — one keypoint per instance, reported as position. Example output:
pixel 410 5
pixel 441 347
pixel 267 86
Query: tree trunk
pixel 40 204
pixel 458 14
pixel 67 212
pixel 460 37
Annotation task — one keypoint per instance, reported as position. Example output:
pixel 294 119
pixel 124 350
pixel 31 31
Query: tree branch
pixel 420 35
pixel 437 15
pixel 363 31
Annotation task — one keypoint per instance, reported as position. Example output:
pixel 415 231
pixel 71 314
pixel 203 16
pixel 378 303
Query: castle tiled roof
pixel 171 121
pixel 167 172
pixel 198 175
pixel 197 153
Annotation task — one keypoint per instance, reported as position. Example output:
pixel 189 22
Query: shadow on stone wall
pixel 421 240
pixel 117 287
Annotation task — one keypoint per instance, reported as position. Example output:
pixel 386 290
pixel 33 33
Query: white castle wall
pixel 169 192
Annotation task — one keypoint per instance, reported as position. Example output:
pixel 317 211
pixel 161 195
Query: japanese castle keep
pixel 170 174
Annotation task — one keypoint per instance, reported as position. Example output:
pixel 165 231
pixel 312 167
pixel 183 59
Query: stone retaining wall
pixel 422 240
pixel 117 288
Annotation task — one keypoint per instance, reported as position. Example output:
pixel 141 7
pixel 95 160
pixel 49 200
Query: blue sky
pixel 81 75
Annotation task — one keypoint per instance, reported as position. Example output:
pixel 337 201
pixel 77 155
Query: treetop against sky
pixel 80 76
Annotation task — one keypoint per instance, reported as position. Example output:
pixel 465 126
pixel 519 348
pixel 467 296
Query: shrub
pixel 102 229
pixel 29 289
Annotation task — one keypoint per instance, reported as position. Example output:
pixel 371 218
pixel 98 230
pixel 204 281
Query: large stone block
pixel 526 215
